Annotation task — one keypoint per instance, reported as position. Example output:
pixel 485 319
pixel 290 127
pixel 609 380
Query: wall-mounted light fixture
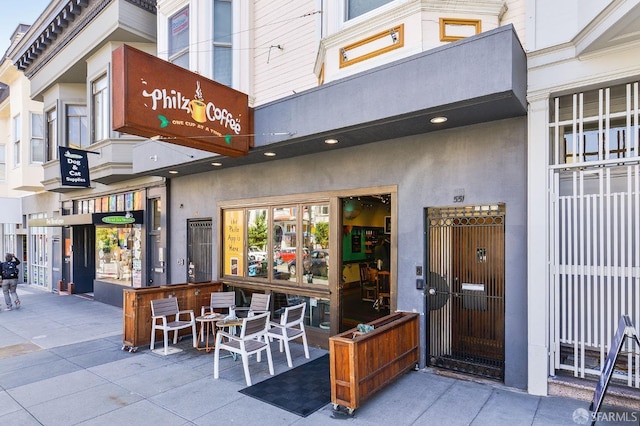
pixel 394 36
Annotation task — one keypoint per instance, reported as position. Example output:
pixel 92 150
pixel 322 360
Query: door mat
pixel 301 390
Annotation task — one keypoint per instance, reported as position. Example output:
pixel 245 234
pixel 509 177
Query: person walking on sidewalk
pixel 9 270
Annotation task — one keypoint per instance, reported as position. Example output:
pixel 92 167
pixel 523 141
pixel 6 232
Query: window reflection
pixel 290 245
pixel 317 312
pixel 595 145
pixel 285 242
pixel 257 259
pixel 315 260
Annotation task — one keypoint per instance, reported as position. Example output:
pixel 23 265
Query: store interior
pixel 366 252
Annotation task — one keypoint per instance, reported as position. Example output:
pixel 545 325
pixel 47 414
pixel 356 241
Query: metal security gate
pixel 465 284
pixel 594 267
pixel 594 229
pixel 199 250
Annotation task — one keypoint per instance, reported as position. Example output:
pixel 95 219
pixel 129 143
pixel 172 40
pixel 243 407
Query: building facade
pixel 349 149
pixel 107 232
pixel 22 130
pixel 482 155
pixel 583 188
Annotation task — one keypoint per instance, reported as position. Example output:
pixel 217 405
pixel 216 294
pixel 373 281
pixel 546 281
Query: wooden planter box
pixel 362 364
pixel 137 308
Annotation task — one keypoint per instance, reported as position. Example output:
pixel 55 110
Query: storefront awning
pixel 479 79
pixel 73 219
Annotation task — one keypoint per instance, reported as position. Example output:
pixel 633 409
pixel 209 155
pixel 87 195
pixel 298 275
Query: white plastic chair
pixel 221 300
pixel 259 304
pixel 163 310
pixel 291 327
pixel 252 340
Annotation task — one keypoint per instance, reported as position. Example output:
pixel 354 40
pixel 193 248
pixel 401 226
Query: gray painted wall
pixel 487 160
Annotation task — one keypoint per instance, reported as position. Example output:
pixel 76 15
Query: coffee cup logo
pixel 198 107
pixel 198 110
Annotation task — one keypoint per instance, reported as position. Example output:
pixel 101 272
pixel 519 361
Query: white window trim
pixel 31 138
pixel 107 119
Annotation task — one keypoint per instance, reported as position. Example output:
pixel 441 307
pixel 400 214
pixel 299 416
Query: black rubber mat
pixel 301 390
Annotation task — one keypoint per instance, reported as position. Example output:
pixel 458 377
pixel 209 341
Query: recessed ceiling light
pixel 217 164
pixel 173 172
pixel 438 120
pixel 269 154
pixel 331 141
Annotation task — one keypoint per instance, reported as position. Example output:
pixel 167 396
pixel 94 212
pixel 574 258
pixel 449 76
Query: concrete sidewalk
pixel 61 363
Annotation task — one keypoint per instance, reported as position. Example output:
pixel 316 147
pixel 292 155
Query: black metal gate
pixel 199 250
pixel 465 289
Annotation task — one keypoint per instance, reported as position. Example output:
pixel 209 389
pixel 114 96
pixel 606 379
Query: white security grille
pixel 595 229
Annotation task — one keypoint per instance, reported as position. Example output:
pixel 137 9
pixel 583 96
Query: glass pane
pixel 75 110
pixel 593 145
pixel 128 201
pixel 52 135
pixel 179 32
pixel 315 247
pixel 37 150
pixel 17 128
pixel 222 22
pixel 77 133
pixel 317 310
pixel 100 112
pixel 114 253
pixel 120 202
pixel 358 7
pixel 156 214
pixel 222 65
pixel 284 241
pixel 233 238
pixel 257 258
pixel 37 128
pixel 182 60
pixel 137 200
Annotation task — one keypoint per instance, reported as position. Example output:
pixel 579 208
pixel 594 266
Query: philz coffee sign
pixel 153 97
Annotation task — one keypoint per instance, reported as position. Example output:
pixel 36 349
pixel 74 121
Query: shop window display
pixel 118 251
pixel 292 245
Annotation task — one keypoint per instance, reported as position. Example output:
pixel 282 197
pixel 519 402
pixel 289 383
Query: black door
pixel 83 258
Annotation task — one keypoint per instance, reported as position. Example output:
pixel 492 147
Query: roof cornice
pixel 65 17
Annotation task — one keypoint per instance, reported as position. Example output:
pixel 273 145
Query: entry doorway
pixel 199 250
pixel 465 289
pixel 83 268
pixel 365 255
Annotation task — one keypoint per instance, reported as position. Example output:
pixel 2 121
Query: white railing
pixel 594 266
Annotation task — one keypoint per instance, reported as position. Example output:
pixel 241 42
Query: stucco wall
pixel 487 160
